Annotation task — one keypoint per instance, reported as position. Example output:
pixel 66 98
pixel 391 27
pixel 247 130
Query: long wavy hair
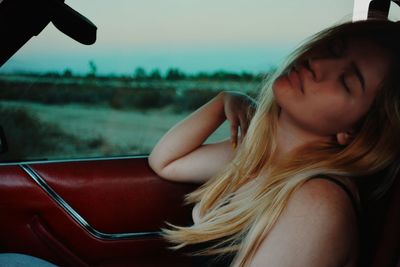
pixel 238 220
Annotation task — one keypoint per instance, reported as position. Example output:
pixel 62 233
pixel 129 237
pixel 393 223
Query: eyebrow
pixel 359 75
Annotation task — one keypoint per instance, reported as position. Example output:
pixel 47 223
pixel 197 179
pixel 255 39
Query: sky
pixel 192 35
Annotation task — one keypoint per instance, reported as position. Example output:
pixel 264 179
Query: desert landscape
pixel 77 117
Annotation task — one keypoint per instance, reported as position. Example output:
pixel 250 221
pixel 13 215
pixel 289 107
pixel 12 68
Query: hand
pixel 239 110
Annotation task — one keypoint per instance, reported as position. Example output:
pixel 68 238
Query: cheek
pixel 324 109
pixel 338 114
pixel 322 113
pixel 330 107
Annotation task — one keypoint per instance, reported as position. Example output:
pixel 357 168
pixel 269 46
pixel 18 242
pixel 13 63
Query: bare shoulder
pixel 328 213
pixel 324 196
pixel 317 228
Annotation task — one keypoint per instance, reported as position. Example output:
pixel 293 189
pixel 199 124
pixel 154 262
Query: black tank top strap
pixel 345 188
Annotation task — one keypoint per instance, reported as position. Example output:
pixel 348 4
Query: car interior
pixel 108 211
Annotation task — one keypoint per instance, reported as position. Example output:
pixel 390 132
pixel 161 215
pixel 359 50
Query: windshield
pixel 153 62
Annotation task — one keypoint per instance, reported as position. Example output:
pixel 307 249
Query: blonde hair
pixel 238 220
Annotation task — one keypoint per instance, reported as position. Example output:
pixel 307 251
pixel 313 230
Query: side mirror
pixel 20 20
pixel 72 23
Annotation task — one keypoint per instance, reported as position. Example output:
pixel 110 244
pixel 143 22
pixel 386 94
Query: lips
pixel 295 78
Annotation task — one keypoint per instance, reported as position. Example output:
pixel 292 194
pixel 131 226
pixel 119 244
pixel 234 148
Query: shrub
pixel 30 138
pixel 142 98
pixel 192 99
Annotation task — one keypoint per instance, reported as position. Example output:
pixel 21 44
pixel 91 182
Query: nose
pixel 322 68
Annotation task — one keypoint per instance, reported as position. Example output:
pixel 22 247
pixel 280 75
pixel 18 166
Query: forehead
pixel 371 59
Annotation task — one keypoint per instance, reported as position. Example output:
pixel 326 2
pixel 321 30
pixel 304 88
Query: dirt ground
pixel 109 132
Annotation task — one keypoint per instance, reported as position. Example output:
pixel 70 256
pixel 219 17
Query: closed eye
pixel 359 75
pixel 344 83
pixel 307 66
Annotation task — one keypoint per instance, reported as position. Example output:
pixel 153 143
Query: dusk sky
pixel 192 35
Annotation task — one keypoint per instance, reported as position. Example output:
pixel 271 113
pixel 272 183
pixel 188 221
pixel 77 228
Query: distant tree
pixel 139 74
pixel 201 76
pixel 68 73
pixel 224 75
pixel 155 75
pixel 174 74
pixel 51 74
pixel 247 76
pixel 93 69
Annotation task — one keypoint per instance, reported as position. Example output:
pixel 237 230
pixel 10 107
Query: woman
pixel 286 196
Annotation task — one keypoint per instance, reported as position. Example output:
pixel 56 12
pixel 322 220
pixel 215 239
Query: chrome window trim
pixel 77 217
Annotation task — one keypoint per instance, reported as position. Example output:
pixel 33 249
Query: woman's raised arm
pixel 180 155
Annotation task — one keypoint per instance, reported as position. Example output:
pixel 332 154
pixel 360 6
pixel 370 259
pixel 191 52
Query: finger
pixel 243 125
pixel 234 134
pixel 251 111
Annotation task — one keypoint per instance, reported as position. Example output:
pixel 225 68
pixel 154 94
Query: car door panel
pixel 121 200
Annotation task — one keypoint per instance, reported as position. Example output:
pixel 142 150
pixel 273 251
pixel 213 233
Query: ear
pixel 344 138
